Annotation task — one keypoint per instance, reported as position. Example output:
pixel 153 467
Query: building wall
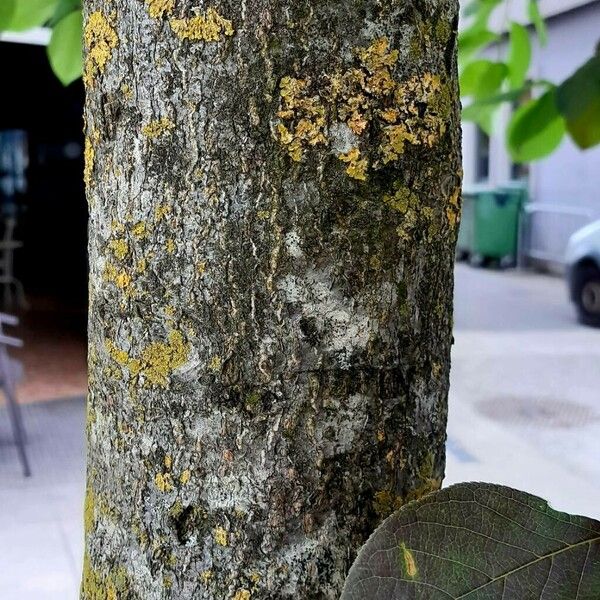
pixel 568 182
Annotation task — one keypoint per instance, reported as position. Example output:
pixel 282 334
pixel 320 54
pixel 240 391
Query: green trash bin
pixel 497 214
pixel 466 232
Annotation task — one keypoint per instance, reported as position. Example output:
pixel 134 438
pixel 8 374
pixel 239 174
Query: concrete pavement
pixel 525 389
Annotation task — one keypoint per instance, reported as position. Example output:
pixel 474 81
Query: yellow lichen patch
pixel 89 154
pixel 97 585
pixel 242 595
pixel 401 200
pixel 163 482
pixel 155 129
pixel 119 248
pixel 158 360
pixel 210 27
pixel 118 355
pixel 168 461
pixel 206 576
pixel 214 364
pixel 302 117
pixel 126 91
pixel 111 592
pixel 185 477
pixel 141 265
pixel 255 577
pixel 453 208
pixel 407 203
pixel 368 99
pixel 357 166
pixel 120 277
pixel 89 510
pixel 375 262
pixel 170 246
pixel 160 8
pixel 377 55
pixel 422 110
pixel 395 138
pixel 139 230
pixel 221 536
pixel 408 561
pixel 162 211
pixel 100 40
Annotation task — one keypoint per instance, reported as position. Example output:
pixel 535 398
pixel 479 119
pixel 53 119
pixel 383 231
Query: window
pixel 482 155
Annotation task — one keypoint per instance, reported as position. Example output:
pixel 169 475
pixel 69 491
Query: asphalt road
pixel 525 389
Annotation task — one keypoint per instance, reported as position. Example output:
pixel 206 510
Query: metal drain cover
pixel 539 412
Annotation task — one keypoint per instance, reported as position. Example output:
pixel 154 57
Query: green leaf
pixel 65 49
pixel 578 100
pixel 481 12
pixel 536 129
pixel 471 40
pixel 7 8
pixel 511 96
pixel 482 114
pixel 30 13
pixel 482 78
pixel 477 541
pixel 63 8
pixel 536 18
pixel 519 56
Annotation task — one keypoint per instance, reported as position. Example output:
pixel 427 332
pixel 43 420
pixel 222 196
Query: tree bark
pixel 273 189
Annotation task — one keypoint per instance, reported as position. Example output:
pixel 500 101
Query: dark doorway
pixel 50 214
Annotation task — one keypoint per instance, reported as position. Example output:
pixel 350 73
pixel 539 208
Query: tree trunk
pixel 273 190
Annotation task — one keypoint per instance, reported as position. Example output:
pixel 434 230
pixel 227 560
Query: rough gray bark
pixel 273 194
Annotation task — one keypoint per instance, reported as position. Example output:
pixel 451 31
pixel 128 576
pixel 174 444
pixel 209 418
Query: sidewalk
pixel 525 389
pixel 41 545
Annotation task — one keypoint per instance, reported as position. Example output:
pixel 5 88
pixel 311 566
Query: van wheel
pixel 587 295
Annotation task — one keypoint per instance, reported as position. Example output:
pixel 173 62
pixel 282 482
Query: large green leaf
pixel 482 78
pixel 479 541
pixel 519 55
pixel 538 21
pixel 536 129
pixel 472 39
pixel 65 50
pixel 578 100
pixel 7 8
pixel 30 13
